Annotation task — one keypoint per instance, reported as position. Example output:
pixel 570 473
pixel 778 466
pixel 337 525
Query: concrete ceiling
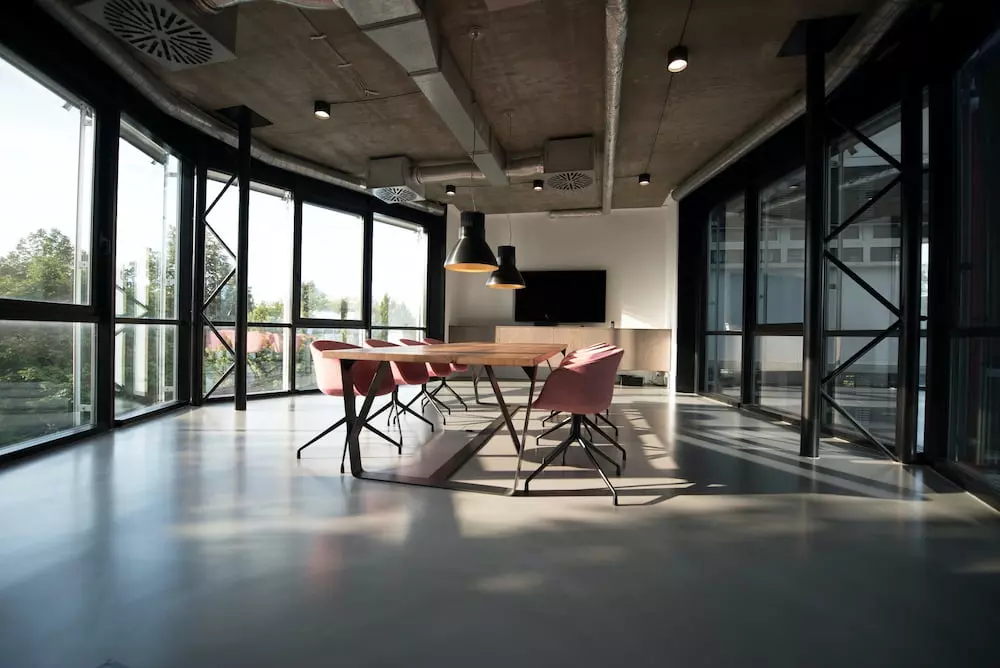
pixel 540 60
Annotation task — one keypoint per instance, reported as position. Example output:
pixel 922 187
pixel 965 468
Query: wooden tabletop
pixel 492 354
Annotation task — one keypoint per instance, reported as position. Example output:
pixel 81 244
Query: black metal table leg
pixel 532 373
pixel 355 420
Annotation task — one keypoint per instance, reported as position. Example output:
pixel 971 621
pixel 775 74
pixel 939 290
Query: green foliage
pixel 40 267
pixel 382 311
pixel 36 361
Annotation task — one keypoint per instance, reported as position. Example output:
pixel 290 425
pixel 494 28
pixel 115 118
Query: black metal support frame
pixel 576 436
pixel 355 419
pixel 912 170
pixel 815 228
pixel 242 258
pixel 443 385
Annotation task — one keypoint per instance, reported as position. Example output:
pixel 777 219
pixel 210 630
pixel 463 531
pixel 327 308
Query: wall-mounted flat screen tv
pixel 553 297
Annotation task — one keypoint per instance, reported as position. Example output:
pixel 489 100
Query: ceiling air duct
pixel 391 180
pixel 569 163
pixel 163 33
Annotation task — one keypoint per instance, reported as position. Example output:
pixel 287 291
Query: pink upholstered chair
pixel 582 386
pixel 440 371
pixel 330 383
pixel 405 373
pixel 569 358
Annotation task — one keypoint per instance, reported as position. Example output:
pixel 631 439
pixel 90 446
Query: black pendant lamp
pixel 472 253
pixel 506 277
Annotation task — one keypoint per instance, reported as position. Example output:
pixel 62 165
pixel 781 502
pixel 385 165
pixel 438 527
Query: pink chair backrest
pixel 428 339
pixel 437 369
pixel 584 352
pixel 406 373
pixel 584 385
pixel 328 377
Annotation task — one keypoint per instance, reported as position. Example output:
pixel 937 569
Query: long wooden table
pixel 528 356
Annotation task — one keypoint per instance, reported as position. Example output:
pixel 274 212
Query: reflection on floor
pixel 199 540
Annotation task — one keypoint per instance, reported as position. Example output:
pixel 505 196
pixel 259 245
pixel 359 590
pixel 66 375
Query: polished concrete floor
pixel 198 540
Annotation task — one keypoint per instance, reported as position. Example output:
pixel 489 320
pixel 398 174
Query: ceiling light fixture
pixel 472 254
pixel 321 110
pixel 506 276
pixel 677 59
pixel 449 190
pixel 644 179
pixel 538 185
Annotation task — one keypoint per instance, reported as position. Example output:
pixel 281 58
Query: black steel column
pixel 939 275
pixel 692 272
pixel 296 309
pixel 367 298
pixel 242 257
pixel 102 265
pixel 751 264
pixel 197 340
pixel 187 310
pixel 812 325
pixel 911 189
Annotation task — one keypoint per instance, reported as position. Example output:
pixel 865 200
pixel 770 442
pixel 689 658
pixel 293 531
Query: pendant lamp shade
pixel 472 253
pixel 506 277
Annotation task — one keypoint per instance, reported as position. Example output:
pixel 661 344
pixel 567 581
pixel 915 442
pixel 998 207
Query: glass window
pixel 46 379
pixel 796 255
pixel 332 264
pixel 394 335
pixel 725 278
pixel 723 365
pixel 780 285
pixel 771 255
pixel 145 366
pixel 305 379
pixel 867 389
pixel 779 377
pixel 266 348
pixel 857 174
pixel 269 265
pixel 850 255
pixel 399 274
pixel 221 237
pixel 46 173
pixel 145 272
pixel 217 362
pixel 974 441
pixel 146 236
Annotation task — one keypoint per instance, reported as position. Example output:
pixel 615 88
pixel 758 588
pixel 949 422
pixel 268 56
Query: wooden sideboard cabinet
pixel 645 349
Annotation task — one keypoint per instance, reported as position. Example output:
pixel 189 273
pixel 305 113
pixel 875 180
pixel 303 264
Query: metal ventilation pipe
pixel 865 38
pixel 215 6
pixel 616 30
pixel 520 169
pixel 108 50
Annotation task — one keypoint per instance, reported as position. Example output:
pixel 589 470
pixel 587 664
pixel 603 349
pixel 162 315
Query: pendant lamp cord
pixel 510 135
pixel 472 77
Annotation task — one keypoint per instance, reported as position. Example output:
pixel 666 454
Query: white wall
pixel 637 247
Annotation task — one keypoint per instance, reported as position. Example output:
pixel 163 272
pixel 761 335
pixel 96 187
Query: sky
pixel 40 158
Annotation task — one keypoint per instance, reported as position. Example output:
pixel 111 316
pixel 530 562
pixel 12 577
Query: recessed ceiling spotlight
pixel 794 186
pixel 677 59
pixel 644 179
pixel 449 190
pixel 321 110
pixel 538 185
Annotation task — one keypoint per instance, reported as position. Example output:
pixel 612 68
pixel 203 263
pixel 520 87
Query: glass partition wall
pixel 315 272
pixel 47 326
pixel 863 274
pixel 118 265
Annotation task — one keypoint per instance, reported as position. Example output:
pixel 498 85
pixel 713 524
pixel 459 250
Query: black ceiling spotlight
pixel 321 110
pixel 677 59
pixel 472 254
pixel 506 277
pixel 538 185
pixel 644 179
pixel 449 190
